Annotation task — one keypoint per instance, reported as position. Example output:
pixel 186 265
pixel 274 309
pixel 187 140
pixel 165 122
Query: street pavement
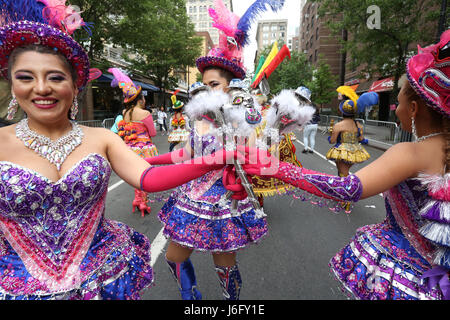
pixel 290 263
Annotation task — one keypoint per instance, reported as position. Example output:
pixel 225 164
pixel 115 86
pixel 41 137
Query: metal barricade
pixel 108 123
pixel 382 133
pixel 91 123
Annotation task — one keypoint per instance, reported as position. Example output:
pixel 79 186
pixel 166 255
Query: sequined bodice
pixel 204 144
pixel 403 204
pixel 349 137
pixel 51 224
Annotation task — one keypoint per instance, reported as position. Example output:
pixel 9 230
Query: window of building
pixel 274 27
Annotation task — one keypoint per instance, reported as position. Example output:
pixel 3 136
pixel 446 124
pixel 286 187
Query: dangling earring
pixel 413 128
pixel 74 109
pixel 12 108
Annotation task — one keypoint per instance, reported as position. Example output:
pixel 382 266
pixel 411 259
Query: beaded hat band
pixel 428 73
pixel 23 33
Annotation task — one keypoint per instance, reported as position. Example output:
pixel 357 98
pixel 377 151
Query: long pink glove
pixel 176 156
pixel 148 122
pixel 320 184
pixel 155 179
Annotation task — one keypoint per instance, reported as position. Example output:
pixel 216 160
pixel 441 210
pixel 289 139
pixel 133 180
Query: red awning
pixel 382 85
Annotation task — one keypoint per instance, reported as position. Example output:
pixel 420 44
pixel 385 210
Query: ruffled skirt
pixel 380 264
pixel 348 152
pixel 116 267
pixel 210 225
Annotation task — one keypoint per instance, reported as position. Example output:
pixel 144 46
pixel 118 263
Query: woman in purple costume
pixel 407 256
pixel 55 242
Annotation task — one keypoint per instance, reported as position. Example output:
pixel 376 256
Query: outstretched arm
pixel 138 173
pixel 393 167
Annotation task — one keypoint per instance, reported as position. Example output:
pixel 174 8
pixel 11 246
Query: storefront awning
pixel 382 85
pixel 364 87
pixel 145 86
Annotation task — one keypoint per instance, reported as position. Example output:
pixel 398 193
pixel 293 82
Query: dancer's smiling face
pixel 43 85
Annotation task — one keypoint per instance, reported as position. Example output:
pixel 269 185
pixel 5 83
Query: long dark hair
pixel 129 106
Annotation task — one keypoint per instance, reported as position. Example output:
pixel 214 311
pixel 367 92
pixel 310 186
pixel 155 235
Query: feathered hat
pixel 428 73
pixel 233 36
pixel 351 107
pixel 176 104
pixel 121 80
pixel 47 23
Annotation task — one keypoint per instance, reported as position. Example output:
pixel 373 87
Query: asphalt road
pixel 290 263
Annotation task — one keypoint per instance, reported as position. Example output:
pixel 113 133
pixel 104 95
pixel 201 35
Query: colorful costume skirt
pixel 116 267
pixel 348 152
pixel 380 264
pixel 207 223
pixel 145 151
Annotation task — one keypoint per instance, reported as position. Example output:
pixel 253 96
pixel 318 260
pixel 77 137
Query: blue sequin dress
pixel 199 216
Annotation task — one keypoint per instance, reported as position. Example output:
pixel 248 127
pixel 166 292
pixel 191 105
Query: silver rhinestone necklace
pixel 54 151
pixel 428 136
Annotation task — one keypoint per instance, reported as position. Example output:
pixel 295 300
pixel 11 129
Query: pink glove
pixel 176 156
pixel 155 179
pixel 233 183
pixel 148 122
pixel 320 184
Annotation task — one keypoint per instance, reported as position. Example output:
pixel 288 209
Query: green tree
pixel 382 51
pixel 104 16
pixel 160 40
pixel 323 83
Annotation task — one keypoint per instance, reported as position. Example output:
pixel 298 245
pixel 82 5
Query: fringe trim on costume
pixel 436 232
pixel 442 257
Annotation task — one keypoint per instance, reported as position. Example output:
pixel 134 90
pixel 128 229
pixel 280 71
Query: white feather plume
pixel 205 102
pixel 286 104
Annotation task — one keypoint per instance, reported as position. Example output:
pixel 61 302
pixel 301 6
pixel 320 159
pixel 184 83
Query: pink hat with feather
pixel 233 36
pixel 428 73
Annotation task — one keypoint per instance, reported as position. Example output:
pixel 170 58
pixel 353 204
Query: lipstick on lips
pixel 45 102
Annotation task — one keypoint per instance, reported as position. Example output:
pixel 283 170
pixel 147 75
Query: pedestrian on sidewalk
pixel 310 130
pixel 162 116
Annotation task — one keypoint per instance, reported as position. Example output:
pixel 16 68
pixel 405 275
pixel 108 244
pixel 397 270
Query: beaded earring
pixel 74 109
pixel 413 128
pixel 12 108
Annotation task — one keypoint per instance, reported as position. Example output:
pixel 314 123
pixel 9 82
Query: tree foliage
pixel 382 51
pixel 323 83
pixel 298 71
pixel 156 34
pixel 161 40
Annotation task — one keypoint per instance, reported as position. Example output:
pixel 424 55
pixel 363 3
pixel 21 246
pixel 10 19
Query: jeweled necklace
pixel 54 151
pixel 428 136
